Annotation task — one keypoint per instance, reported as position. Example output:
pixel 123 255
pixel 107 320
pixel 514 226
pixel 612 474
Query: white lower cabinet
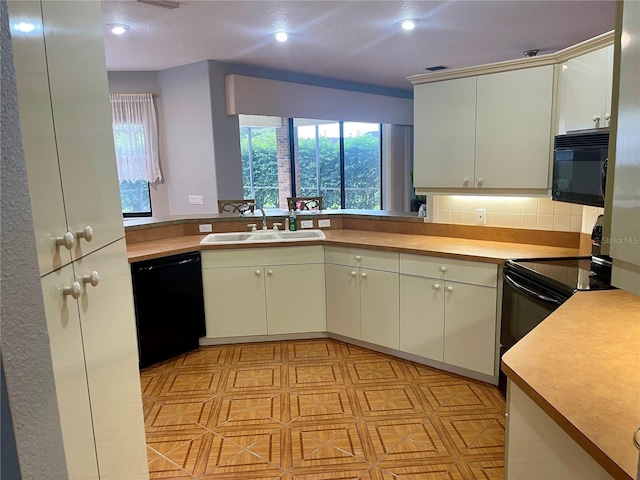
pixel 234 301
pixel 93 344
pixel 470 327
pixel 264 291
pixel 363 297
pixel 422 316
pixel 447 320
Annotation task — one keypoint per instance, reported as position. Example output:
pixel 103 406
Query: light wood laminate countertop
pixel 581 365
pixel 461 248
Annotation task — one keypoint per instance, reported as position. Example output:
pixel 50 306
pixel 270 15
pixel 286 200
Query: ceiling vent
pixel 435 69
pixel 162 3
pixel 530 53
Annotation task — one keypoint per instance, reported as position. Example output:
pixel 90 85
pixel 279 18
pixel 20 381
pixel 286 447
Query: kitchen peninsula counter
pixel 460 248
pixel 581 366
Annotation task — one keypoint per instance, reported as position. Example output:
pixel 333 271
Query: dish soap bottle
pixel 293 223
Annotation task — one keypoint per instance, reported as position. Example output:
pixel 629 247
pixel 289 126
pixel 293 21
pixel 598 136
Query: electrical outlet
pixel 196 200
pixel 324 222
pixel 205 228
pixel 481 216
pixel 306 224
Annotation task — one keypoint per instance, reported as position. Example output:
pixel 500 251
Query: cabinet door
pixel 513 131
pixel 422 316
pixel 444 133
pixel 470 327
pixel 234 301
pixel 67 358
pixel 82 118
pixel 380 308
pixel 343 300
pixel 585 83
pixel 38 136
pixel 295 299
pixel 111 353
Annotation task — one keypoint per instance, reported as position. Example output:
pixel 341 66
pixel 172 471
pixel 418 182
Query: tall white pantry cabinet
pixel 86 284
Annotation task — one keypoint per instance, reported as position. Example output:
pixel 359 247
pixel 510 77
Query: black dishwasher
pixel 169 306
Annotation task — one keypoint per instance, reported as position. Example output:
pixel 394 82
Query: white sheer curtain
pixel 135 134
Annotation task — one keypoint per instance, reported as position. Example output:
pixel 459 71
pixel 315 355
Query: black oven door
pixel 525 303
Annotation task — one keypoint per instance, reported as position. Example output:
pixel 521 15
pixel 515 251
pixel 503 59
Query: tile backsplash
pixel 515 212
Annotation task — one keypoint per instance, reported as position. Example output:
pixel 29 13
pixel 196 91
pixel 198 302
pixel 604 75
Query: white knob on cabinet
pixel 353 274
pixel 607 116
pixel 67 240
pixel 480 182
pixel 449 289
pixel 358 257
pixel 258 272
pixel 363 275
pixel 443 269
pixel 86 233
pixel 75 290
pixel 465 182
pixel 269 272
pixel 93 278
pixel 596 118
pixel 436 286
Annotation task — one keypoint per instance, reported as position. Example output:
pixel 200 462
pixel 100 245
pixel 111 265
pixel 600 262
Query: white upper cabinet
pixel 444 132
pixel 584 93
pixel 513 129
pixel 488 132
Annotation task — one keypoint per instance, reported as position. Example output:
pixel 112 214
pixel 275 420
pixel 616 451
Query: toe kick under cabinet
pixel 448 311
pixel 260 291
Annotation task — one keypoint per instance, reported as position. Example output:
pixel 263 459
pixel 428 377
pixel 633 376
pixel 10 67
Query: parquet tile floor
pixel 317 410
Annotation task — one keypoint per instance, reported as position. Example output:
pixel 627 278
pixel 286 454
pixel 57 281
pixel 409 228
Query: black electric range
pixel 534 288
pixel 566 275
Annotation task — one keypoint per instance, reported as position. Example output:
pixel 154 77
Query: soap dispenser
pixel 293 223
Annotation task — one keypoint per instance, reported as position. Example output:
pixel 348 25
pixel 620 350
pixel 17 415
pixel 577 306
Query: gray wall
pixel 147 82
pixel 26 357
pixel 190 155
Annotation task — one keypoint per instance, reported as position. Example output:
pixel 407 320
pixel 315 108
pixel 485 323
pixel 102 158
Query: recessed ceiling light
pixel 408 25
pixel 25 27
pixel 118 29
pixel 282 36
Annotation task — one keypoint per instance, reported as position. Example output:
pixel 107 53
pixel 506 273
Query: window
pixel 135 137
pixel 339 161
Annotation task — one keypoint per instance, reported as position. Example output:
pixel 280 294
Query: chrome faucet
pixel 247 206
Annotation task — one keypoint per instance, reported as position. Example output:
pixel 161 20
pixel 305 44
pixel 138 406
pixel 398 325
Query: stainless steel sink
pixel 262 236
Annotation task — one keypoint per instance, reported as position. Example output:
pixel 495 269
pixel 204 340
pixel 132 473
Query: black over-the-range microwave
pixel 580 167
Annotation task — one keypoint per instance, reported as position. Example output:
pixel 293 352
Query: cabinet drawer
pixel 243 257
pixel 359 257
pixel 476 273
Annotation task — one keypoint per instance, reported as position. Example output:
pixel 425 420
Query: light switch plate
pixel 196 200
pixel 306 224
pixel 324 223
pixel 205 228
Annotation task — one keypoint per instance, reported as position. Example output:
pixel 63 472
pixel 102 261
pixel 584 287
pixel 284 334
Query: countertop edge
pixel 574 432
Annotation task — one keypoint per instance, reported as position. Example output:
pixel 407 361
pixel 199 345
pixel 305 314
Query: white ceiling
pixel 359 41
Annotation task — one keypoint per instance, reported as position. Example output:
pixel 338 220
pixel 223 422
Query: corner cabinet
pixel 68 143
pixel 448 311
pixel 260 291
pixel 484 133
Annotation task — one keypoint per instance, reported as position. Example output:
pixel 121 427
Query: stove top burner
pixel 576 273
